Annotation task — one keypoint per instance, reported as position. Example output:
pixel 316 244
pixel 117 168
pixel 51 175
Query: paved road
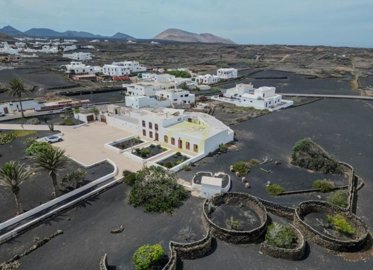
pixel 327 96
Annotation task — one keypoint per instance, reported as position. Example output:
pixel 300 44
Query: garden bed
pixel 128 143
pixel 149 151
pixel 174 160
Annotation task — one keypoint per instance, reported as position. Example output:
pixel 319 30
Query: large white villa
pixel 195 134
pixel 122 68
pixel 261 98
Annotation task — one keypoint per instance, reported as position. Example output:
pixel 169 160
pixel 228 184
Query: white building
pixel 261 98
pixel 196 134
pixel 15 106
pixel 80 68
pixel 78 56
pixel 159 78
pixel 207 79
pixel 132 66
pixel 115 70
pixel 138 102
pixel 227 73
pixel 177 97
pixel 141 89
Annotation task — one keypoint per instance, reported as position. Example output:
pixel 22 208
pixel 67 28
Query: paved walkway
pixel 85 144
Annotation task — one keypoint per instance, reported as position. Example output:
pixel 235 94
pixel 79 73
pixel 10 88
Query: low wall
pixel 296 253
pixel 278 210
pixel 325 240
pixel 188 251
pixel 103 262
pixel 53 205
pixel 234 236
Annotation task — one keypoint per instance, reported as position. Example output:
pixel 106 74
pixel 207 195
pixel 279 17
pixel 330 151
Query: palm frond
pixel 13 174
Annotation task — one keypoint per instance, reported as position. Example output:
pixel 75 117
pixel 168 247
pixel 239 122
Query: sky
pixel 305 22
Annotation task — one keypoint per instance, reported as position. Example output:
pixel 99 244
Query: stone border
pixel 233 236
pixel 296 253
pixel 103 262
pixel 322 239
pixel 189 251
pixel 278 210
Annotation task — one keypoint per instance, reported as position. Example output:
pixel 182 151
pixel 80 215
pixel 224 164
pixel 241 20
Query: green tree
pixel 145 257
pixel 156 190
pixel 12 175
pixel 52 160
pixel 17 90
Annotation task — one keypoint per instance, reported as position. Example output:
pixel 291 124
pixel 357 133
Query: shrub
pixel 68 122
pixel 233 224
pixel 281 236
pixel 37 147
pixel 309 155
pixel 339 198
pixel 223 148
pixel 6 137
pixel 73 180
pixel 323 185
pixel 156 190
pixel 129 177
pixel 179 73
pixel 241 167
pixel 147 256
pixel 187 168
pixel 274 189
pixel 33 121
pixel 340 223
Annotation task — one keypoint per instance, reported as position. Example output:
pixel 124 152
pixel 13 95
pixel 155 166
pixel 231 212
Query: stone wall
pixel 103 262
pixel 278 210
pixel 234 236
pixel 188 251
pixel 296 253
pixel 325 240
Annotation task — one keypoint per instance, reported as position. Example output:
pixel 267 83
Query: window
pixel 150 125
pixel 165 138
pixel 187 145
pixel 172 140
pixel 156 136
pixel 151 134
pixel 195 148
pixel 143 123
pixel 144 132
pixel 175 99
pixel 180 143
pixel 156 126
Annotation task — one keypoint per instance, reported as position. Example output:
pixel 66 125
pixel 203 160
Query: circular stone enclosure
pixel 296 253
pixel 318 209
pixel 236 200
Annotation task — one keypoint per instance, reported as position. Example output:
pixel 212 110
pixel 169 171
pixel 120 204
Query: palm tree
pixel 52 160
pixel 12 175
pixel 17 89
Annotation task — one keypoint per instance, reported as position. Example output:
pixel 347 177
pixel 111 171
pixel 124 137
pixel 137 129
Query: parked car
pixel 52 139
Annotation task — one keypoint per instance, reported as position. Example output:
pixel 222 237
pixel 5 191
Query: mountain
pixel 120 35
pixel 79 34
pixel 11 31
pixel 46 32
pixel 42 32
pixel 184 36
